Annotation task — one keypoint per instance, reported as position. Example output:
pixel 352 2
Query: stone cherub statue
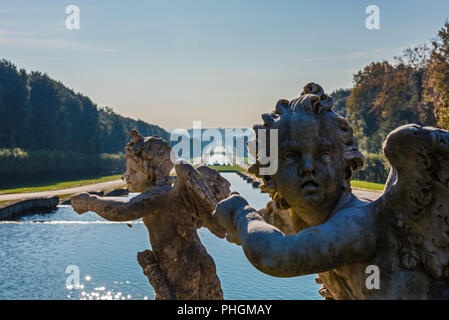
pixel 172 208
pixel 405 233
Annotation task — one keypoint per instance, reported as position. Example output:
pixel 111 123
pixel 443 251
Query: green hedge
pixel 17 164
pixel 375 170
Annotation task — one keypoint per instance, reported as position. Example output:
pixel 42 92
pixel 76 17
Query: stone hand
pixel 224 213
pixel 80 201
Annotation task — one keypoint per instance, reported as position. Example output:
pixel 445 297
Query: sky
pixel 222 62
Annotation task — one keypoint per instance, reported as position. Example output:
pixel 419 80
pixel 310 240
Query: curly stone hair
pixel 153 156
pixel 312 100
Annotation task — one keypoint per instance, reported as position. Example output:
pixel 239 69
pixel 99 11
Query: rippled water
pixel 35 252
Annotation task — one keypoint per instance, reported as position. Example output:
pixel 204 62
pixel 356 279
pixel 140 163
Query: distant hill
pixel 48 131
pixel 39 113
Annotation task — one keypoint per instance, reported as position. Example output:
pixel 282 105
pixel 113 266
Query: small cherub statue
pixel 396 247
pixel 172 208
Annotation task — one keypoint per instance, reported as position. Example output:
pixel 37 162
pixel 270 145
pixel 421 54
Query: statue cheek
pixel 334 170
pixel 291 172
pixel 324 171
pixel 280 176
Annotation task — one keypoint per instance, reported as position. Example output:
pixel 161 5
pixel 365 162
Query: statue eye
pixel 288 157
pixel 325 156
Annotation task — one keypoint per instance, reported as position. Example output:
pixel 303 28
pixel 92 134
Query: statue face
pixel 311 169
pixel 136 179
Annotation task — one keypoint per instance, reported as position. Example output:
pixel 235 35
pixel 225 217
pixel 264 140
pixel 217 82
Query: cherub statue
pixel 403 237
pixel 172 208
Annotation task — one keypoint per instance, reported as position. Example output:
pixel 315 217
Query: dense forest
pixel 48 130
pixel 414 88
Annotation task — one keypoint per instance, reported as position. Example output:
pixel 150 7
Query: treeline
pixel 51 124
pixel 414 88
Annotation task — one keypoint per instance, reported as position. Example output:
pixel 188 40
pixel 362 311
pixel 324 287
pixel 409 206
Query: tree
pixel 14 93
pixel 340 97
pixel 436 78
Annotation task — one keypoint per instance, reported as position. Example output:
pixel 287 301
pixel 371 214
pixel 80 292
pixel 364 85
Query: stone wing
pixel 416 200
pixel 198 197
pixel 216 183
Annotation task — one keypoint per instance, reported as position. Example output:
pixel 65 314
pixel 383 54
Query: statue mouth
pixel 309 185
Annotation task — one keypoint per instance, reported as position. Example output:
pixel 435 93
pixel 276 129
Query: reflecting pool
pixel 39 253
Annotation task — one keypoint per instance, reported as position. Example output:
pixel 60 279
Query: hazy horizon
pixel 224 63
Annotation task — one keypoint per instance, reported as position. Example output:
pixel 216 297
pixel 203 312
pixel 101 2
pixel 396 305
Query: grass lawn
pixel 76 183
pixel 61 185
pixel 367 185
pixel 227 168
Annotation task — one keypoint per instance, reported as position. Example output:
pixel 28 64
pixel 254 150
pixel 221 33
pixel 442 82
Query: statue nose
pixel 307 167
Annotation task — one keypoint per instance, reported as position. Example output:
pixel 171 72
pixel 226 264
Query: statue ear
pixel 269 183
pixel 270 187
pixel 348 172
pixel 150 171
pixel 352 165
pixel 280 202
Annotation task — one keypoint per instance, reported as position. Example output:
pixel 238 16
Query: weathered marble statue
pixel 178 267
pixel 405 233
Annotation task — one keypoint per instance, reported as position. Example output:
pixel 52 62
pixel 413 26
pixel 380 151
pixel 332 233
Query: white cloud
pixel 23 10
pixel 28 40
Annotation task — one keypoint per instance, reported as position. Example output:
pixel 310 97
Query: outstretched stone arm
pixel 117 209
pixel 347 237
